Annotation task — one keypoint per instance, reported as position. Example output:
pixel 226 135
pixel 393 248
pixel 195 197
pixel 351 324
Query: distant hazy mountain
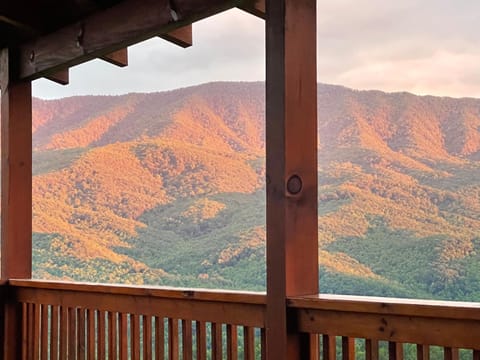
pixel 168 188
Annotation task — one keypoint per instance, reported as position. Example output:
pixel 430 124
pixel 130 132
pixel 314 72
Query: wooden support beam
pixel 291 145
pixel 182 36
pixel 107 31
pixel 255 7
pixel 16 203
pixel 118 58
pixel 61 77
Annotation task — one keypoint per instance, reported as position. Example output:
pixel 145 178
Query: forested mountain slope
pixel 168 188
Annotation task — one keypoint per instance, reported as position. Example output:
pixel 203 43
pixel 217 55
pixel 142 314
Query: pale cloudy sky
pixel 421 46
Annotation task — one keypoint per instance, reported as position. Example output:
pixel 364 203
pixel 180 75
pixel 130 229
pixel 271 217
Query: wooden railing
pixel 91 321
pixel 389 328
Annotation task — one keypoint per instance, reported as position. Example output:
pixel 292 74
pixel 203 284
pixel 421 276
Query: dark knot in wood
pixel 294 184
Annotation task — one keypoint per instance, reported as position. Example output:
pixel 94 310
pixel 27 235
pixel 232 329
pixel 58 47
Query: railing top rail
pixel 150 291
pixel 388 306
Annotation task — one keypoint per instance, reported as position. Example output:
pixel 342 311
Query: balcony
pixel 59 320
pixel 55 320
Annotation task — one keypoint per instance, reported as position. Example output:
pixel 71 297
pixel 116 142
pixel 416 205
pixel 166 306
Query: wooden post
pixel 16 217
pixel 291 142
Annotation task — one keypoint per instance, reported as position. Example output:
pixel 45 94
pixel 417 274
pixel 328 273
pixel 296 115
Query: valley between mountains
pixel 168 189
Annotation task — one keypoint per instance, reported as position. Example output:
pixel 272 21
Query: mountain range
pixel 168 188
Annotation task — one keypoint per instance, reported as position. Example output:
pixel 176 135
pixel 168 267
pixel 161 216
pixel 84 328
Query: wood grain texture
pixel 112 334
pixel 101 334
pixel 232 342
pixel 183 36
pixel 187 339
pixel 222 308
pixel 450 353
pixel 402 329
pixel 72 332
pixel 216 336
pixel 147 337
pixel 16 114
pixel 107 31
pixel 371 349
pixel 329 347
pixel 423 352
pixel 118 58
pixel 159 338
pixel 201 333
pixel 291 152
pixel 348 348
pixel 54 332
pixel 44 321
pixel 249 343
pixel 16 193
pixel 395 350
pixel 173 339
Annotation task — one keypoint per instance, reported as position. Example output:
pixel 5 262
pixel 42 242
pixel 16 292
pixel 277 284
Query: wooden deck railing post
pixel 16 218
pixel 291 145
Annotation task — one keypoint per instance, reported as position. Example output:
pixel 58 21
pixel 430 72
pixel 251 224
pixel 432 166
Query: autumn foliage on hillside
pixel 145 182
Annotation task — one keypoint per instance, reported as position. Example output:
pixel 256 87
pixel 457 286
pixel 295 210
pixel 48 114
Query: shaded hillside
pixel 168 188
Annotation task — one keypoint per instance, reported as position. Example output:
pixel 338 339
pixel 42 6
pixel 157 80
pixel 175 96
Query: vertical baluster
pixel 450 353
pixel 63 333
pixel 263 338
pixel 112 335
pixel 54 335
pixel 314 343
pixel 232 342
pixel 101 329
pixel 395 351
pixel 123 336
pixel 24 330
pixel 476 354
pixel 248 343
pixel 80 334
pixel 173 339
pixel 348 348
pixel 371 349
pixel 423 352
pixel 36 331
pixel 147 337
pixel 187 341
pixel 200 328
pixel 135 336
pixel 44 332
pixel 30 330
pixel 159 338
pixel 91 338
pixel 329 347
pixel 216 333
pixel 72 332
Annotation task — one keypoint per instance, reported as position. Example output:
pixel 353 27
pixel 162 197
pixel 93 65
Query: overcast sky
pixel 421 46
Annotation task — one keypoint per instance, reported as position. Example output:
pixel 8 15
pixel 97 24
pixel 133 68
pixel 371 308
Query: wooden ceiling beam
pixel 18 25
pixel 255 7
pixel 118 58
pixel 61 77
pixel 107 31
pixel 183 36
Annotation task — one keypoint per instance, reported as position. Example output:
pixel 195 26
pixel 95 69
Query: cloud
pixel 428 46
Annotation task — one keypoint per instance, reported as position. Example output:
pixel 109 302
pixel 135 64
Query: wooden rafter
pixel 182 36
pixel 255 7
pixel 61 77
pixel 118 58
pixel 107 31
